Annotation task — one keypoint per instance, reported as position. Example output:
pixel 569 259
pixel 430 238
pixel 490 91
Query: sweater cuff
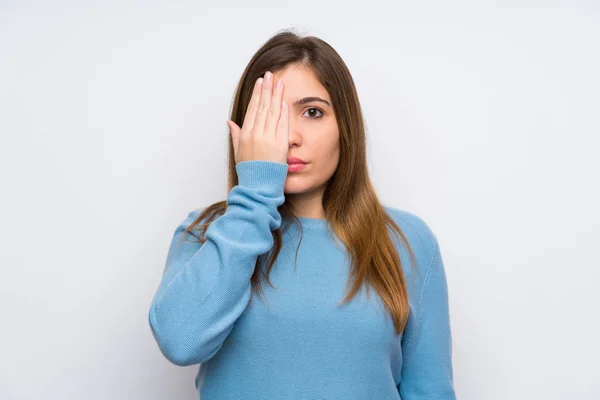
pixel 264 175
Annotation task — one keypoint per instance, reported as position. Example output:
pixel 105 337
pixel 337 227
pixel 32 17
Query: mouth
pixel 295 167
pixel 295 160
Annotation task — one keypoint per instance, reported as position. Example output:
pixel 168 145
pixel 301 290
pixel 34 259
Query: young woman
pixel 356 305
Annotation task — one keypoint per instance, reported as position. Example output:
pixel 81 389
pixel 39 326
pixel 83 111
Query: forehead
pixel 300 82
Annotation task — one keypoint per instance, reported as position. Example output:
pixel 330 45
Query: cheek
pixel 327 143
pixel 328 153
pixel 333 149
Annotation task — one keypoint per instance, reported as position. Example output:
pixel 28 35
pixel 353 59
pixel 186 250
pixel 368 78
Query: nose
pixel 295 138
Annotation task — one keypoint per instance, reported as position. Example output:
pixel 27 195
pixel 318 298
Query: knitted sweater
pixel 296 342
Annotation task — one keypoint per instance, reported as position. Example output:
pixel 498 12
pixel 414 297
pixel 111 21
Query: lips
pixel 295 160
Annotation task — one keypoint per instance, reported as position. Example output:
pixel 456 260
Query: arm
pixel 427 348
pixel 206 287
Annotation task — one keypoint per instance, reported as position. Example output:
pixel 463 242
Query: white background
pixel 482 118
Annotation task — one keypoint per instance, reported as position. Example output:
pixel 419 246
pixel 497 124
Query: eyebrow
pixel 311 99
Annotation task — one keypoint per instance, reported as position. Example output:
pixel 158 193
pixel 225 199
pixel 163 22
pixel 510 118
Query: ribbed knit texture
pixel 300 344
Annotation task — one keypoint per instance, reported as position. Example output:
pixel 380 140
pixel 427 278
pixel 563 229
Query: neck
pixel 307 204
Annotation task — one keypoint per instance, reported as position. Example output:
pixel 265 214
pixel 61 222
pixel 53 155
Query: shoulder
pixel 418 232
pixel 427 289
pixel 187 220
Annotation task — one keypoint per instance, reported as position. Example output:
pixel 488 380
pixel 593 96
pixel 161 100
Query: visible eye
pixel 317 109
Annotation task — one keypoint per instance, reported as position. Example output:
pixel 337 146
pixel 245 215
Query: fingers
pixel 274 110
pixel 283 125
pixel 249 118
pixel 263 105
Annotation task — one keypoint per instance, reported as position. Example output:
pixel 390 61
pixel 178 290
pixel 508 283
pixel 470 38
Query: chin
pixel 294 188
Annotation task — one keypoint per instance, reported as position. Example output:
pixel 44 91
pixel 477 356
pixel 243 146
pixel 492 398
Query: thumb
pixel 234 130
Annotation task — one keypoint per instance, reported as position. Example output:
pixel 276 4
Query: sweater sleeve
pixel 427 348
pixel 206 287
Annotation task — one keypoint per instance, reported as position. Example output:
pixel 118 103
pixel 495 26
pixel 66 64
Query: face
pixel 313 130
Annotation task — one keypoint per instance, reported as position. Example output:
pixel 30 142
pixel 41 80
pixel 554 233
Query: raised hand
pixel 265 131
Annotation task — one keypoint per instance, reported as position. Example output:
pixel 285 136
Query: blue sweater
pixel 300 345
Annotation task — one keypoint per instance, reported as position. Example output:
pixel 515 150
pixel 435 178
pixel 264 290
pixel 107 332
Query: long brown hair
pixel 351 206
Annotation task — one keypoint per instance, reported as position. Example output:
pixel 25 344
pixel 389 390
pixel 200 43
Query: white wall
pixel 483 119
